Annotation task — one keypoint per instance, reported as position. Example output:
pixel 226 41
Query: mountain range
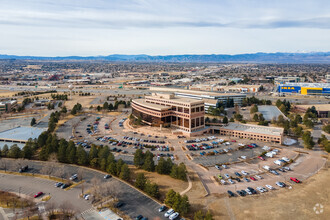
pixel 313 57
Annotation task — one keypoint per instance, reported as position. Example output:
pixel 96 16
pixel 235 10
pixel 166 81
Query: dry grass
pixel 7 93
pixel 164 182
pixel 10 200
pixel 83 100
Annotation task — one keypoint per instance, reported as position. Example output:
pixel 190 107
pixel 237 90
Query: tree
pixel 149 164
pixel 33 122
pixel 106 106
pixel 225 120
pixel 161 166
pixel 170 197
pixel 254 109
pixel 119 165
pixel 138 158
pixel 5 150
pixel 125 173
pixel 231 120
pixel 82 157
pixel 140 181
pixel 14 151
pixel 152 189
pixel 326 128
pixel 255 117
pixel 27 152
pixel 308 140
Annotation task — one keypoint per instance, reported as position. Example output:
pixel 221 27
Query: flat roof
pixel 255 129
pixel 150 105
pixel 21 133
pixel 177 99
pixel 320 107
pixel 311 85
pixel 194 92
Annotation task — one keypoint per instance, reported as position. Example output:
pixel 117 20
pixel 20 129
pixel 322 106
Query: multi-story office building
pixel 252 132
pixel 184 114
pixel 213 99
pixel 8 106
pixel 288 79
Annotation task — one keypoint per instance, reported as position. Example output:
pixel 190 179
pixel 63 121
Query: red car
pixel 261 158
pixel 233 141
pixel 252 178
pixel 295 180
pixel 38 194
pixel 250 146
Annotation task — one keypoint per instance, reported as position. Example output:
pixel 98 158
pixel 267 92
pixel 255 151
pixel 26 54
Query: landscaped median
pixel 33 175
pixel 74 185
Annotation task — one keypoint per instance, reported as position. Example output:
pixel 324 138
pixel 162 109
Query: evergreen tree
pixel 140 181
pixel 225 120
pixel 93 153
pixel 152 189
pixel 149 164
pixel 14 151
pixel 82 158
pixel 120 163
pixel 161 166
pixel 125 173
pixel 112 168
pixel 5 150
pixel 170 197
pixel 27 151
pixel 138 158
pixel 33 122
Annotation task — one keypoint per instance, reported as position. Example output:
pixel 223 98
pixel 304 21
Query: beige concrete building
pixel 8 106
pixel 184 114
pixel 252 132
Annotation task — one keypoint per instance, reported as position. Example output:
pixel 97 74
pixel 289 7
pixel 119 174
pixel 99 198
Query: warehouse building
pixel 323 110
pixel 185 115
pixel 321 89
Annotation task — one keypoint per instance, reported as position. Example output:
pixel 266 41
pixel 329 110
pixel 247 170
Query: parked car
pixel 238 174
pixel 286 168
pixel 286 159
pixel 252 178
pixel 162 208
pixel 139 217
pixel 216 166
pixel 64 186
pixel 226 175
pixel 224 166
pixel 73 177
pixel 258 177
pixel 280 184
pixel 248 191
pixel 168 213
pixel 231 181
pixel 38 194
pixel 295 180
pixel 261 158
pixel 58 184
pixel 274 172
pixel 174 216
pixel 119 204
pixel 230 193
pixel 107 176
pixel 244 173
pixel 246 179
pixel 270 187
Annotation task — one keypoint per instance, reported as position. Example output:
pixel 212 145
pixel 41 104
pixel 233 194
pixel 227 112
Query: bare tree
pixel 48 168
pixel 50 208
pixel 80 173
pixel 60 172
pixel 3 164
pixel 67 208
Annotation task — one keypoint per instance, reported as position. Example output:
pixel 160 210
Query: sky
pixel 162 27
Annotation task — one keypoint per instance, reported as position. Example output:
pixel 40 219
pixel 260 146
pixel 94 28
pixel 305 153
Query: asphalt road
pixel 136 203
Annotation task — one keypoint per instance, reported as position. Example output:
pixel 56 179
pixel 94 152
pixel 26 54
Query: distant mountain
pixel 316 57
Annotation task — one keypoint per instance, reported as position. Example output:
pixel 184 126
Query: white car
pixel 260 189
pixel 269 154
pixel 270 187
pixel 73 177
pixel 231 181
pixel 224 166
pixel 265 148
pixel 258 177
pixel 225 150
pixel 248 191
pixel 223 182
pixel 276 150
pixel 168 213
pixel 264 189
pixel 278 162
pixel 286 168
pixel 174 216
pixel 266 167
pixel 216 166
pixel 240 144
pixel 280 184
pixel 244 173
pixel 243 157
pixel 226 175
pixel 286 159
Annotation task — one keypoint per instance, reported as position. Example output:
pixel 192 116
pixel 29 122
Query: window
pixel 202 108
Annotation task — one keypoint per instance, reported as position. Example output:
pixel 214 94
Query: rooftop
pixel 321 107
pixel 193 92
pixel 22 134
pixel 255 129
pixel 173 98
pixel 150 105
pixel 311 85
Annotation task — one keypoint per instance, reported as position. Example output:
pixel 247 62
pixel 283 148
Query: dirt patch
pixel 83 100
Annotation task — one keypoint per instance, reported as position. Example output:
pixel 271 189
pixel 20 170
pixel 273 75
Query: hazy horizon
pixel 164 27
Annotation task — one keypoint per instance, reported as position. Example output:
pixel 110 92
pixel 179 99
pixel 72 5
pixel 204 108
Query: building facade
pixel 252 132
pixel 186 115
pixel 213 99
pixel 288 79
pixel 321 89
pixel 8 106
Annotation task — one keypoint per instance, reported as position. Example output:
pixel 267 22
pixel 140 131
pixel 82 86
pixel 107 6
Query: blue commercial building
pixel 321 89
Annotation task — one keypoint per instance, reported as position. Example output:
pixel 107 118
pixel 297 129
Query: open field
pixel 164 182
pixel 83 100
pixel 6 93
